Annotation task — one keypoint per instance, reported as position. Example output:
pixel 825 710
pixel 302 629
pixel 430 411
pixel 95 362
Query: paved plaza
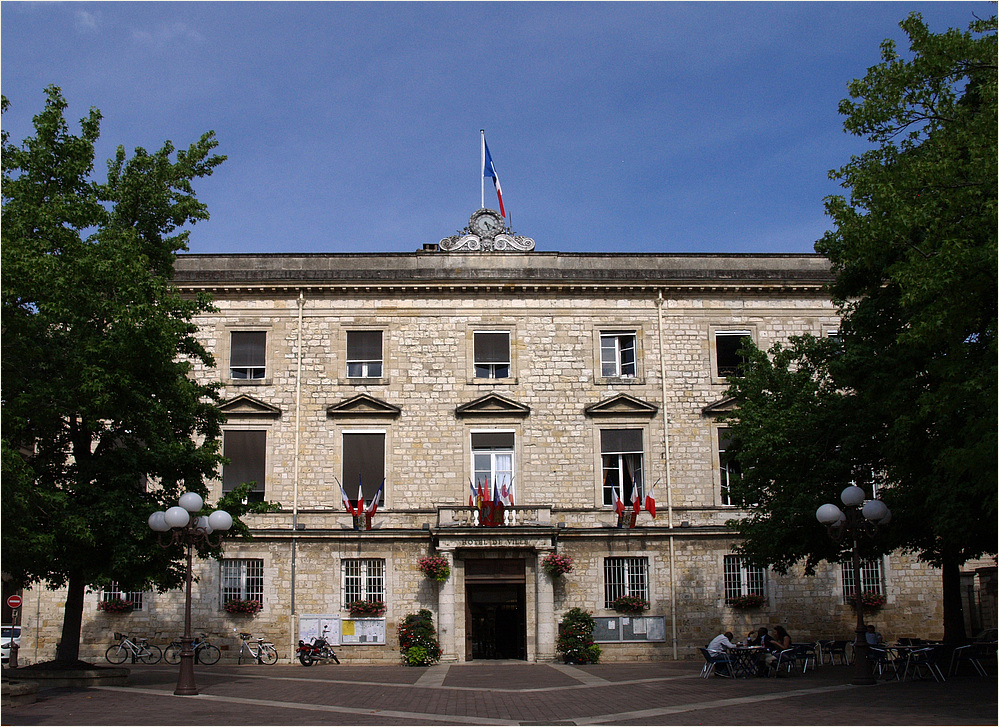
pixel 510 693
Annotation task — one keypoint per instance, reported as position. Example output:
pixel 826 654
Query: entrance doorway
pixel 495 609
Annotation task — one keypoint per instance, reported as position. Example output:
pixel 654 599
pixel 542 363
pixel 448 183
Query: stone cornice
pixel 566 273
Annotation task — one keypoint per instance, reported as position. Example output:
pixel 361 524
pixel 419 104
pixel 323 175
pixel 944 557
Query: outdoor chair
pixel 805 653
pixel 883 662
pixel 786 659
pixel 925 658
pixel 832 649
pixel 713 660
pixel 974 654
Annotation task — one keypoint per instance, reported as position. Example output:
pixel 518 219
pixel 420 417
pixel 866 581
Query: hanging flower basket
pixel 115 605
pixel 556 565
pixel 240 607
pixel 630 604
pixel 435 566
pixel 366 608
pixel 750 600
pixel 871 600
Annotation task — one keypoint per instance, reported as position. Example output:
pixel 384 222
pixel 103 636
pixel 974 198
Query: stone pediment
pixel 492 405
pixel 722 406
pixel 363 405
pixel 621 405
pixel 247 406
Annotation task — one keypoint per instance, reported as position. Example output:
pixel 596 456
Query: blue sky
pixel 354 127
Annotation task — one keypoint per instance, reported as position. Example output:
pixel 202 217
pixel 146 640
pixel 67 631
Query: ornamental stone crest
pixel 486 232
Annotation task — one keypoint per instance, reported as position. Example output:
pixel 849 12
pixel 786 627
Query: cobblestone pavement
pixel 505 693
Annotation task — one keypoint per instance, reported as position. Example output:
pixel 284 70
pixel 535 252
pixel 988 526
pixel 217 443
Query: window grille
pixel 743 579
pixel 247 354
pixel 625 577
pixel 618 358
pixel 871 577
pixel 114 591
pixel 242 579
pixel 363 579
pixel 364 354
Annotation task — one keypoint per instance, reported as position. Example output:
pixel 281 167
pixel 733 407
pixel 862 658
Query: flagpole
pixel 482 167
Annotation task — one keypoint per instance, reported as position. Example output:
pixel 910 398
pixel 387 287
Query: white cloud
pixel 85 21
pixel 168 34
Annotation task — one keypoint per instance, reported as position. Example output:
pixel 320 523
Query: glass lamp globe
pixel 852 496
pixel 220 520
pixel 177 517
pixel 828 514
pixel 191 501
pixel 157 522
pixel 875 510
pixel 204 525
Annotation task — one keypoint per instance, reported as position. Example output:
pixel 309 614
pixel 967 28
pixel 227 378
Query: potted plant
pixel 115 605
pixel 750 600
pixel 556 565
pixel 366 608
pixel 435 566
pixel 242 607
pixel 418 639
pixel 630 604
pixel 871 600
pixel 575 638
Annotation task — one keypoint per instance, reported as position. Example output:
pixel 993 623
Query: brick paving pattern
pixel 506 693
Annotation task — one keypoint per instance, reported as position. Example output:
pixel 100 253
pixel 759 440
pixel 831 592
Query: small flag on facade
pixel 650 501
pixel 372 507
pixel 346 501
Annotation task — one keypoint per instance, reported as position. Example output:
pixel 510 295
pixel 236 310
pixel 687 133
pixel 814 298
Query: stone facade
pixel 427 403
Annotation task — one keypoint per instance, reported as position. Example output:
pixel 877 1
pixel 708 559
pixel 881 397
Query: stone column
pixel 445 612
pixel 545 619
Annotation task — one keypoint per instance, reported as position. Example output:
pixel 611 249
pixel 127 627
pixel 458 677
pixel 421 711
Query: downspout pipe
pixel 660 302
pixel 294 505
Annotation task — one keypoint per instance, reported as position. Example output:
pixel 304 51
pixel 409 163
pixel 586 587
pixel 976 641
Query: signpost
pixel 14 602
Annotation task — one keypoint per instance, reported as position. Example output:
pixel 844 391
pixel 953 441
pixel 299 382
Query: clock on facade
pixel 486 223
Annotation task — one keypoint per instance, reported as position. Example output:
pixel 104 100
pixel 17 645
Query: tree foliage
pixel 102 421
pixel 907 395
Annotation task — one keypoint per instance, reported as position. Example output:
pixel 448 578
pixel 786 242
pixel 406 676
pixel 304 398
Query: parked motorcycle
pixel 318 650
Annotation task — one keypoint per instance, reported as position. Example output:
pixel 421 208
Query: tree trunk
pixel 953 608
pixel 72 620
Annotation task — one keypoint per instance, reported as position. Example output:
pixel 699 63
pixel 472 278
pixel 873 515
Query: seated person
pixel 764 639
pixel 780 642
pixel 717 647
pixel 873 637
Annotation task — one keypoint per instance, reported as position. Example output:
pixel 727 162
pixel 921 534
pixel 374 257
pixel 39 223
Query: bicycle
pixel 140 650
pixel 204 653
pixel 264 653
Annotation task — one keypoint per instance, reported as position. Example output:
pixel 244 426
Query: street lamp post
pixel 858 518
pixel 187 529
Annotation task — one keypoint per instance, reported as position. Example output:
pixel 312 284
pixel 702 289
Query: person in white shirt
pixel 717 647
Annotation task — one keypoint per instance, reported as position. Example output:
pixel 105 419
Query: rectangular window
pixel 364 465
pixel 871 577
pixel 492 462
pixel 492 354
pixel 114 591
pixel 364 354
pixel 621 456
pixel 247 354
pixel 363 579
pixel 728 468
pixel 247 455
pixel 242 579
pixel 618 358
pixel 728 362
pixel 625 577
pixel 743 579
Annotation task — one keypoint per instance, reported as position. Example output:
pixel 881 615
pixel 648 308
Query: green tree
pixel 98 348
pixel 909 396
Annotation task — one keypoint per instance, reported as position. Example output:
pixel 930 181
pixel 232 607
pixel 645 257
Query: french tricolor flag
pixel 489 170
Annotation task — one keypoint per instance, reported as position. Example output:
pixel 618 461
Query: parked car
pixel 5 636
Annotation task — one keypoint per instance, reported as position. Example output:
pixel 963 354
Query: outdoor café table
pixel 744 660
